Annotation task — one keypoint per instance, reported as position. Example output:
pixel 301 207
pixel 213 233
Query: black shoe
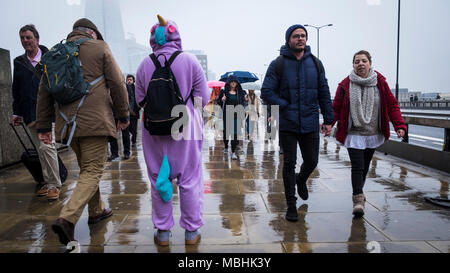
pixel 133 145
pixel 65 230
pixel 302 189
pixel 113 157
pixel 126 157
pixel 292 214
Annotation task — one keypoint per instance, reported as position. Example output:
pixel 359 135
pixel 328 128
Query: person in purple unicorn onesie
pixel 181 159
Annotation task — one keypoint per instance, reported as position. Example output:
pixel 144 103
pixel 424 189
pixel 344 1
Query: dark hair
pixel 363 52
pixel 131 76
pixel 31 28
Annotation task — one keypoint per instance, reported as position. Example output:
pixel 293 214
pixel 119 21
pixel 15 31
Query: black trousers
pixel 309 147
pixel 360 160
pixel 114 145
pixel 133 129
pixel 234 142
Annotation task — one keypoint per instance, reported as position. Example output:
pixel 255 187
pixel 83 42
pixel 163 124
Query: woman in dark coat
pixel 363 106
pixel 232 95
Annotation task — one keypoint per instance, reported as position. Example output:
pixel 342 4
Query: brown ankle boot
pixel 358 204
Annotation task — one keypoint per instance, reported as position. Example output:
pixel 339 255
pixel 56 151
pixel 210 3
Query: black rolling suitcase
pixel 30 159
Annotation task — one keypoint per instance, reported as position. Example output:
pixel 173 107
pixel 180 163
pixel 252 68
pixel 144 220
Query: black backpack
pixel 163 94
pixel 279 65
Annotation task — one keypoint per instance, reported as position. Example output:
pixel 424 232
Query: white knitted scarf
pixel 362 92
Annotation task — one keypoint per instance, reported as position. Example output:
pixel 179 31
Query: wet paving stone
pixel 317 202
pixel 223 229
pixel 244 206
pixel 311 227
pixel 385 247
pixel 412 225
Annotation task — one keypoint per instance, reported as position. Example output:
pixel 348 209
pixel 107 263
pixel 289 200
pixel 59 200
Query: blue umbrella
pixel 243 76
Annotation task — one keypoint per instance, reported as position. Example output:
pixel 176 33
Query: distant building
pixel 211 75
pixel 136 53
pixel 402 94
pixel 429 96
pixel 106 15
pixel 203 59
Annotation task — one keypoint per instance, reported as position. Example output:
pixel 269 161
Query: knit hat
pixel 291 29
pixel 84 22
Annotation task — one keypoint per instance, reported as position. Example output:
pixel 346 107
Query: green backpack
pixel 63 78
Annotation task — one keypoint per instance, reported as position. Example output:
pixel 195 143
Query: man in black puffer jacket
pixel 299 89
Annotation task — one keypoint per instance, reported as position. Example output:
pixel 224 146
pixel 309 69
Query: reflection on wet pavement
pixel 244 206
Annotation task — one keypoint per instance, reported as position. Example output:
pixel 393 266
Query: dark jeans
pixel 133 129
pixel 309 147
pixel 360 160
pixel 125 141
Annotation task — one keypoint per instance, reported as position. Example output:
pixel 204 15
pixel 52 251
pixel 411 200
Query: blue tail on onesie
pixel 163 184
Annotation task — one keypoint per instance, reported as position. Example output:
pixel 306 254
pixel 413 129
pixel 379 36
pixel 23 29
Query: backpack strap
pixel 73 121
pixel 80 41
pixel 319 69
pixel 172 58
pixel 155 60
pixel 279 63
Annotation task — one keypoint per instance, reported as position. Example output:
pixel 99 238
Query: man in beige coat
pixel 95 122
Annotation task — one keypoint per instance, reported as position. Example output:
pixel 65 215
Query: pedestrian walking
pixel 166 157
pixel 296 82
pixel 253 113
pixel 230 97
pixel 363 106
pixel 94 123
pixel 26 77
pixel 134 106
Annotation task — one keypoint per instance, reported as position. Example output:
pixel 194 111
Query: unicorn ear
pixel 172 29
pixel 162 21
pixel 152 31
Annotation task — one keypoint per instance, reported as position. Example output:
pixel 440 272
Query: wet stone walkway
pixel 244 206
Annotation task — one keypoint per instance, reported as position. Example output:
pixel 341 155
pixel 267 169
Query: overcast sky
pixel 247 34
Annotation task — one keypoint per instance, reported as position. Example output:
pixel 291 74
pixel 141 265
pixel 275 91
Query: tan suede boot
pixel 358 204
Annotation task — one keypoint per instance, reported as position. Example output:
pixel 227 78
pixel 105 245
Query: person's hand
pixel 16 120
pixel 326 129
pixel 122 125
pixel 270 119
pixel 400 133
pixel 224 98
pixel 46 138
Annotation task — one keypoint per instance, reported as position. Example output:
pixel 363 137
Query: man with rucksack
pixel 166 80
pixel 26 77
pixel 84 116
pixel 296 82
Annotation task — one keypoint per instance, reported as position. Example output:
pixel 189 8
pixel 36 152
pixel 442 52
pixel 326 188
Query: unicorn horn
pixel 162 21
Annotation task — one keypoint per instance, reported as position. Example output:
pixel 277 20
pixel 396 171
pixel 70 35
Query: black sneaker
pixel 302 189
pixel 113 157
pixel 126 157
pixel 292 214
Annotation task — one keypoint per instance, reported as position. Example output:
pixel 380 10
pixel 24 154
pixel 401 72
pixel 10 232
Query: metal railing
pixel 432 119
pixel 426 104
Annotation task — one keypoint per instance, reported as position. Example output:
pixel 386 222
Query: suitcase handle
pixel 20 139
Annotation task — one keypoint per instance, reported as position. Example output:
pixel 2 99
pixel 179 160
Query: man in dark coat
pixel 26 78
pixel 134 114
pixel 300 92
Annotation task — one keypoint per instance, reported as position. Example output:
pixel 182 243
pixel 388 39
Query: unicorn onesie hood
pixel 168 158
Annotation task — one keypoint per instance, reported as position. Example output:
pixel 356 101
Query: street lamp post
pixel 318 28
pixel 398 49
